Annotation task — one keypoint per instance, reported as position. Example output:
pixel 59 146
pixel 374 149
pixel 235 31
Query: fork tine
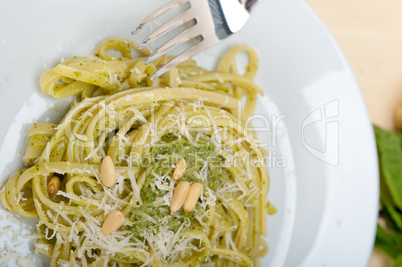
pixel 157 13
pixel 171 24
pixel 192 51
pixel 182 37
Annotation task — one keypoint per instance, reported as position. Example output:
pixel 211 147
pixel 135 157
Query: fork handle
pixel 251 3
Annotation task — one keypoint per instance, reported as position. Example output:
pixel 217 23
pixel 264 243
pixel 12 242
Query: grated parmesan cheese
pixel 13 219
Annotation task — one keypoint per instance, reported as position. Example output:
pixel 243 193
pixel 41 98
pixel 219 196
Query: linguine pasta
pixel 146 126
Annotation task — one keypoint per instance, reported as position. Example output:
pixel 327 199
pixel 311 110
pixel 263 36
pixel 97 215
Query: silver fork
pixel 213 21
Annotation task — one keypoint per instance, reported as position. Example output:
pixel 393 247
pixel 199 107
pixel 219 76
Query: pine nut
pixel 108 172
pixel 192 197
pixel 179 196
pixel 54 185
pixel 398 118
pixel 112 222
pixel 179 170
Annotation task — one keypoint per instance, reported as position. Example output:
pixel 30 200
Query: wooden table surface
pixel 370 34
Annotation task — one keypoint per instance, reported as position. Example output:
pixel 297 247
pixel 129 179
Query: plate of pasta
pixel 102 166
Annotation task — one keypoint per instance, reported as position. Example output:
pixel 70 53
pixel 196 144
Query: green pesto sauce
pixel 195 153
pixel 165 153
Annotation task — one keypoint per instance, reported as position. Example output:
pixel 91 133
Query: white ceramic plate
pixel 301 70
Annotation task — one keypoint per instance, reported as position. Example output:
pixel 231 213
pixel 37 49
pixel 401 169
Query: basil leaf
pixel 386 243
pixel 389 145
pixel 389 240
pixel 398 262
pixel 392 216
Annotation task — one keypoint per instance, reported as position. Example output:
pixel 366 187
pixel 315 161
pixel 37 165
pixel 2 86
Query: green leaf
pixel 398 262
pixel 386 243
pixel 382 237
pixel 389 145
pixel 389 240
pixel 392 216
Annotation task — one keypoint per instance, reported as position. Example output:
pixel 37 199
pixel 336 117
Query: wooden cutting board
pixel 370 34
